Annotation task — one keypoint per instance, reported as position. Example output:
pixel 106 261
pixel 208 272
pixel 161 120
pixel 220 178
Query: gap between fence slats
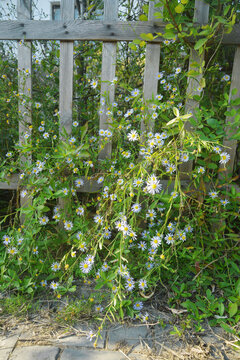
pixel 229 131
pixel 150 82
pixel 24 11
pixel 66 72
pixel 201 13
pixel 109 52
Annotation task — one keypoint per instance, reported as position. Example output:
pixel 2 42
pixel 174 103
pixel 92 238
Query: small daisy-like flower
pixel 145 317
pixel 188 228
pixel 23 193
pixel 100 180
pixel 65 191
pixel 79 182
pixel 156 241
pixel 133 135
pixel 171 168
pixel 72 140
pixel 137 182
pixel 55 266
pixel 135 92
pixel 98 219
pixel 54 285
pixel 226 78
pixel 201 170
pixel 94 84
pixel 154 115
pixel 120 181
pixel 85 267
pixel 6 240
pixel 159 96
pixel 43 220
pixel 225 157
pixel 75 123
pixel 149 265
pixel 90 335
pixel 136 208
pixel 129 286
pixel 35 250
pixel 105 266
pixel 178 70
pixel 138 305
pixel 151 214
pixel 43 283
pixel 12 251
pixel 174 194
pixel 213 194
pixel 37 105
pixel 46 135
pixel 159 76
pixel 184 157
pixel 98 308
pixel 142 245
pixel 169 239
pixel 153 185
pixel 142 284
pixel 82 246
pixel 224 202
pixel 68 225
pixel 217 149
pixel 128 113
pixel 80 211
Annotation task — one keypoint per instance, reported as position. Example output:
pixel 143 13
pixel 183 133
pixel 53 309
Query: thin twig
pixel 195 277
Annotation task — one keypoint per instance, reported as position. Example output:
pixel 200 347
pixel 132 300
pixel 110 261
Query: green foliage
pixel 132 234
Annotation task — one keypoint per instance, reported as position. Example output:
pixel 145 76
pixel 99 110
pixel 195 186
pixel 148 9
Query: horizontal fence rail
pixel 93 30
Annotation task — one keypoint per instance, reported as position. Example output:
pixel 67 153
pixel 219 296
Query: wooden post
pixel 150 82
pixel 109 51
pixel 201 13
pixel 227 141
pixel 24 12
pixel 66 71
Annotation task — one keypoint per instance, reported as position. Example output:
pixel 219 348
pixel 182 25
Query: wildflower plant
pixel 143 225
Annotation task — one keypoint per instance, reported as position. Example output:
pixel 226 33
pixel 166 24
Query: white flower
pixel 153 185
pixel 213 194
pixel 201 170
pixel 100 180
pixel 184 157
pixel 55 266
pixel 94 84
pixel 85 266
pixel 68 225
pixel 136 208
pixel 226 78
pixel 159 76
pixel 46 135
pixel 156 241
pixel 138 305
pixel 80 210
pixel 23 193
pixel 133 135
pixel 98 219
pixel 135 92
pixel 178 70
pixel 225 157
pixel 142 284
pixel 224 202
pixel 79 182
pixel 43 220
pixel 54 285
pixel 90 335
pixel 142 245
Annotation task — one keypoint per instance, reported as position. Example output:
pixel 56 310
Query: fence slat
pixel 150 82
pixel 231 143
pixel 24 11
pixel 66 72
pixel 201 13
pixel 109 51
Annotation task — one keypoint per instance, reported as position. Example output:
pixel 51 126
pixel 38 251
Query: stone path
pixel 118 342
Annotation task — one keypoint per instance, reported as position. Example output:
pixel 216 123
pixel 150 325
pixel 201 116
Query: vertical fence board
pixel 152 56
pixel 201 13
pixel 227 141
pixel 24 12
pixel 66 71
pixel 109 51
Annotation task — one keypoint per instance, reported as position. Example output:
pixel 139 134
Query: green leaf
pixel 179 8
pixel 200 43
pixel 147 37
pixel 143 17
pixel 213 123
pixel 221 309
pixel 227 328
pixel 212 166
pixel 233 308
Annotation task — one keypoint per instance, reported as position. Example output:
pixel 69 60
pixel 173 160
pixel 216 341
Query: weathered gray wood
pixel 77 30
pixel 150 82
pixel 109 51
pixel 24 11
pixel 201 13
pixel 66 72
pixel 227 141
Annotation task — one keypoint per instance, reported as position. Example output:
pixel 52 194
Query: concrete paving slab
pixel 35 352
pixel 84 354
pixel 7 344
pixel 126 335
pixel 80 341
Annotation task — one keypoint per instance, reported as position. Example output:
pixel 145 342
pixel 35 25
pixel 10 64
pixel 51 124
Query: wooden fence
pixel 109 31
